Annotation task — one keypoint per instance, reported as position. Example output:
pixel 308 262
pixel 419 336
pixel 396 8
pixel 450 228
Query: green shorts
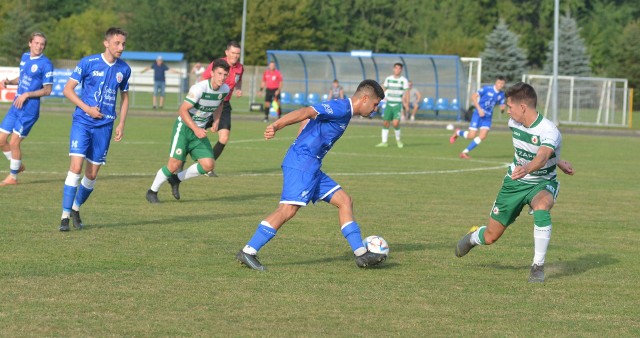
pixel 184 141
pixel 392 111
pixel 514 195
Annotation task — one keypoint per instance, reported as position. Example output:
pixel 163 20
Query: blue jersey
pixel 489 98
pixel 34 74
pixel 100 83
pixel 319 135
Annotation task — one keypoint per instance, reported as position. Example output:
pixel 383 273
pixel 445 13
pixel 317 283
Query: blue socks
pixel 351 231
pixel 263 234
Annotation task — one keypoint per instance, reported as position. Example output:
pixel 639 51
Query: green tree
pixel 573 59
pixel 502 56
pixel 18 24
pixel 81 34
pixel 625 59
pixel 282 25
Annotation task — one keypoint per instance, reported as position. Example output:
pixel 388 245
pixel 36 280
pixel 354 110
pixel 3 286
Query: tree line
pixel 610 29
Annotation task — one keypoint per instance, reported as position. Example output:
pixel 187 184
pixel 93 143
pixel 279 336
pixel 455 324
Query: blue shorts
pixel 158 88
pixel 89 142
pixel 478 122
pixel 20 121
pixel 299 187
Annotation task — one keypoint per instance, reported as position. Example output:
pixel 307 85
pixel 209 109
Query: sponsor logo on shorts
pixel 495 211
pixel 179 151
pixel 551 188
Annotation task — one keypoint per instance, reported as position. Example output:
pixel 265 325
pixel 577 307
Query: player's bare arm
pixel 566 167
pixel 124 109
pixel 543 155
pixel 216 119
pixel 289 119
pixel 476 102
pixel 183 111
pixel 44 91
pixel 70 93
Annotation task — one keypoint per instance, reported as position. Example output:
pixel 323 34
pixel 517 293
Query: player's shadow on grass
pixel 579 265
pixel 560 269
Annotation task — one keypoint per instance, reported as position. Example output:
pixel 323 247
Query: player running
pixel 35 81
pixel 189 134
pixel 484 100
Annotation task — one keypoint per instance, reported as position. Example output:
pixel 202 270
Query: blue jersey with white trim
pixel 34 73
pixel 319 135
pixel 100 83
pixel 489 98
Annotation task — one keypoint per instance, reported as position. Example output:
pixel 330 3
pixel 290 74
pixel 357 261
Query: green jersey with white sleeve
pixel 205 101
pixel 528 140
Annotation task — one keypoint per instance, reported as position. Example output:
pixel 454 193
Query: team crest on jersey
pixel 534 139
pixel 179 151
pixel 119 77
pixel 34 68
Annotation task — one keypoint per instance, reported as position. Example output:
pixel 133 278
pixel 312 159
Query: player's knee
pixel 477 140
pixel 207 166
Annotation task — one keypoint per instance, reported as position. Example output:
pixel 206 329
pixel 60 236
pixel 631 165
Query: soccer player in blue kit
pixel 304 182
pixel 101 75
pixel 35 81
pixel 484 101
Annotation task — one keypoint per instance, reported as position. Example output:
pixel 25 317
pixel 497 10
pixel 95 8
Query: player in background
pixel 102 76
pixel 530 179
pixel 484 100
pixel 397 88
pixel 34 82
pixel 189 131
pixel 272 81
pixel 322 125
pixel 234 81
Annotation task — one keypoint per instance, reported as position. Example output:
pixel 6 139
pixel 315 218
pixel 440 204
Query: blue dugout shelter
pixel 308 76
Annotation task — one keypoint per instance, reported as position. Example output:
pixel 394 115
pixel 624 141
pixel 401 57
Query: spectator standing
pixel 197 71
pixel 159 80
pixel 336 92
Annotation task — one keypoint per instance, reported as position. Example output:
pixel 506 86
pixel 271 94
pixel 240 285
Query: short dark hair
pixel 398 64
pixel 115 31
pixel 220 63
pixel 233 43
pixel 523 92
pixel 372 86
pixel 501 78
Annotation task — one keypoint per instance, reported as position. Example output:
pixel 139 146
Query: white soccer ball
pixel 450 126
pixel 376 244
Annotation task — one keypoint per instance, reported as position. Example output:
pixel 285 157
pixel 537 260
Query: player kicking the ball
pixel 530 180
pixel 322 125
pixel 189 133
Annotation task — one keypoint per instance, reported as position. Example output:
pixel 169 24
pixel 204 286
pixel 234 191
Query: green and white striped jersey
pixel 395 87
pixel 527 141
pixel 205 101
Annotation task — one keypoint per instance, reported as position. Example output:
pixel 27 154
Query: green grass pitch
pixel 169 269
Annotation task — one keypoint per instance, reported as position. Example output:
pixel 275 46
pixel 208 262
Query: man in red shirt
pixel 234 81
pixel 272 80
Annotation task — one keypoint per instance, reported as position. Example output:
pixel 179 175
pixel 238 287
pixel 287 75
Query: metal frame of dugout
pixel 308 76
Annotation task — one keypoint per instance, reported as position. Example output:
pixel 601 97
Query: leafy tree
pixel 18 24
pixel 502 56
pixel 81 34
pixel 573 59
pixel 625 59
pixel 282 25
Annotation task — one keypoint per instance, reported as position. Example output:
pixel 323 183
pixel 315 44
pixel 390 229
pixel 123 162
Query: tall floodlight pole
pixel 554 86
pixel 244 25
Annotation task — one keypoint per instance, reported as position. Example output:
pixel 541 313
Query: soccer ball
pixel 376 244
pixel 450 126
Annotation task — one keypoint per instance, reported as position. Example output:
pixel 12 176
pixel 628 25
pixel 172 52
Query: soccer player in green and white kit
pixel 396 86
pixel 189 133
pixel 530 179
